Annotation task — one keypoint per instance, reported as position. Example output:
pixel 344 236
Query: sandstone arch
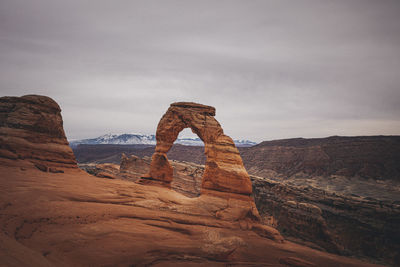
pixel 224 170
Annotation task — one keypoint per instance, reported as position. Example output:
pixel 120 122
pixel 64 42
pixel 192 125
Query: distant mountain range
pixel 145 139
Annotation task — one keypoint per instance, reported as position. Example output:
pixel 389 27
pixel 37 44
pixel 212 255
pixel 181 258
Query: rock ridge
pixel 368 157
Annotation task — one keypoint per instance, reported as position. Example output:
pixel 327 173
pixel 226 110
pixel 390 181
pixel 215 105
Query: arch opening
pixel 187 158
pixel 188 148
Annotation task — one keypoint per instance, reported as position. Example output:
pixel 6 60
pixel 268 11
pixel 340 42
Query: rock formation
pixel 224 170
pixel 31 130
pixel 368 157
pixel 342 224
pixel 81 220
pixel 187 175
pixel 75 219
pixel 134 165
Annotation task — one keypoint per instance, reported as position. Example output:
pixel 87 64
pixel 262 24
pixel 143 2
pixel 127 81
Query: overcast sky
pixel 273 69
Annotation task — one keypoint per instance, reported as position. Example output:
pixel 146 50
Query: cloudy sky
pixel 273 69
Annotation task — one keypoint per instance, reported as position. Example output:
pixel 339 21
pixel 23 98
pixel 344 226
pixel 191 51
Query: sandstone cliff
pixel 31 132
pixel 374 157
pixel 342 224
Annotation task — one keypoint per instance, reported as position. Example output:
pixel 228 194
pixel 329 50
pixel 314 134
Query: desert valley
pixel 297 202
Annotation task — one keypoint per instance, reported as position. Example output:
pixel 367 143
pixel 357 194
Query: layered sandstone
pixel 368 157
pixel 224 170
pixel 312 196
pixel 187 176
pixel 82 220
pixel 74 219
pixel 31 131
pixel 134 165
pixel 349 225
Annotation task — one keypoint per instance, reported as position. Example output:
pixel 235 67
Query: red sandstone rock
pixel 31 129
pixel 359 226
pixel 224 170
pixel 133 164
pixel 371 157
pixel 73 219
pixel 296 262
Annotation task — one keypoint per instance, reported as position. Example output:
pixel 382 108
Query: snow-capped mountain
pixel 244 142
pixel 118 139
pixel 144 139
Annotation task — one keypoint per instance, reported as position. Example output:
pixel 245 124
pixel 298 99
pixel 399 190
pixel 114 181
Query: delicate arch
pixel 224 170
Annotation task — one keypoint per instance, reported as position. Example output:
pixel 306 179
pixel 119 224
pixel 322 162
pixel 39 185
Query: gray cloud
pixel 273 69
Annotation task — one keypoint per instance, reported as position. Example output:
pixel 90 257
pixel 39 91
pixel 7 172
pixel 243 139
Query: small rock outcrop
pixel 224 170
pixel 187 175
pixel 31 129
pixel 133 165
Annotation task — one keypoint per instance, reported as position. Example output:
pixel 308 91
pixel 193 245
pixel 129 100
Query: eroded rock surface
pixel 368 157
pixel 347 225
pixel 74 219
pixel 224 170
pixel 134 165
pixel 342 224
pixel 31 130
pixel 187 175
pixel 81 220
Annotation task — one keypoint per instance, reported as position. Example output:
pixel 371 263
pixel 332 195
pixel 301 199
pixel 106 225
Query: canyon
pixel 367 157
pixel 339 194
pixel 320 218
pixel 54 214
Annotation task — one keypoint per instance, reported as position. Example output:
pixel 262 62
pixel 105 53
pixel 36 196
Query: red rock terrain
pixel 71 218
pixel 31 129
pixel 347 225
pixel 74 219
pixel 187 176
pixel 341 224
pixel 341 194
